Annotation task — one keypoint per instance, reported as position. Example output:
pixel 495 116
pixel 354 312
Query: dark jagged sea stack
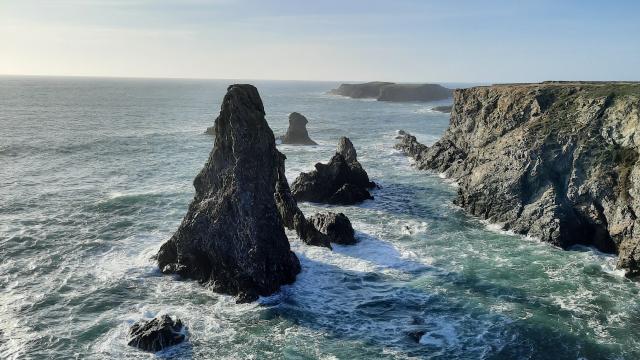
pixel 297 132
pixel 232 237
pixel 156 334
pixel 336 225
pixel 342 181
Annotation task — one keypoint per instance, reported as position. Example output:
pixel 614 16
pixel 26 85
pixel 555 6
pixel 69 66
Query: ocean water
pixel 97 173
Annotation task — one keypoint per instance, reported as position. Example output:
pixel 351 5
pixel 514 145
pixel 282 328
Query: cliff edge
pixel 555 160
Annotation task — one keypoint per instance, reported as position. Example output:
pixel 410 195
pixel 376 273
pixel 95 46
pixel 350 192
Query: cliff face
pixel 558 161
pixel 386 91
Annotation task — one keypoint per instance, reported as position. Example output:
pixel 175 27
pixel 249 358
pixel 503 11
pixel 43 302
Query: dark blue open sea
pixel 96 173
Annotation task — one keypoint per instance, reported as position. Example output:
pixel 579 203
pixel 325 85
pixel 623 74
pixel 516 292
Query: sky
pixel 350 40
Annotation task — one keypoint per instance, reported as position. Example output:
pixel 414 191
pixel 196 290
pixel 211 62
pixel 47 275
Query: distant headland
pixel 388 91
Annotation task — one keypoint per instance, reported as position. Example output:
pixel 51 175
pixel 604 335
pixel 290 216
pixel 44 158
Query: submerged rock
pixel 557 161
pixel 156 334
pixel 232 237
pixel 341 181
pixel 297 132
pixel 337 227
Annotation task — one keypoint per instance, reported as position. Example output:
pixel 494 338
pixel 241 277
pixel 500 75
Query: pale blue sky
pixel 444 41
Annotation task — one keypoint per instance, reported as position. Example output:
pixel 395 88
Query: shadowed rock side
pixel 297 132
pixel 341 181
pixel 387 91
pixel 337 227
pixel 156 334
pixel 558 161
pixel 291 215
pixel 232 237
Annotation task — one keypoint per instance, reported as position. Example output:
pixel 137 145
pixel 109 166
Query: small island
pixel 388 91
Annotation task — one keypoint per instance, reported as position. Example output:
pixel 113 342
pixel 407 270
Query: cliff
pixel 386 91
pixel 556 160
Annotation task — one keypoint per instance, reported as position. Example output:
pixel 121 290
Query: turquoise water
pixel 96 174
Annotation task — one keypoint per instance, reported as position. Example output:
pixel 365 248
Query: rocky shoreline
pixel 555 160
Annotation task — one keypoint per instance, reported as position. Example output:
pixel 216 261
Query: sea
pixel 96 173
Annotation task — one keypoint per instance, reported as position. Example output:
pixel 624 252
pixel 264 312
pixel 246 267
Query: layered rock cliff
pixel 386 91
pixel 232 236
pixel 558 161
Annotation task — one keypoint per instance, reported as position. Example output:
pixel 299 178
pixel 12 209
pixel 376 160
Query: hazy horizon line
pixel 292 80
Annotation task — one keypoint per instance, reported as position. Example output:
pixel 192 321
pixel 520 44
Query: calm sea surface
pixel 96 173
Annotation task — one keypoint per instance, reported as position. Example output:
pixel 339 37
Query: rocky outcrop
pixel 211 130
pixel 341 181
pixel 443 109
pixel 232 237
pixel 156 334
pixel 558 161
pixel 291 215
pixel 297 132
pixel 387 91
pixel 336 226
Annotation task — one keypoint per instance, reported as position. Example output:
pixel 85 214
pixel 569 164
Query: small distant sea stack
pixel 211 130
pixel 342 181
pixel 297 132
pixel 233 237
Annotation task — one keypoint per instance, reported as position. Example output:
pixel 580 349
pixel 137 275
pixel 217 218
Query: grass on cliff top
pixel 613 89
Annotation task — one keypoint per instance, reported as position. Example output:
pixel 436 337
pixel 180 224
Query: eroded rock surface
pixel 336 226
pixel 341 181
pixel 558 161
pixel 156 334
pixel 297 132
pixel 232 237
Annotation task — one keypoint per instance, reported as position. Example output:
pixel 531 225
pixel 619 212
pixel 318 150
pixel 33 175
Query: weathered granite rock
pixel 156 334
pixel 387 91
pixel 337 227
pixel 558 161
pixel 291 215
pixel 341 181
pixel 232 237
pixel 443 109
pixel 297 132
